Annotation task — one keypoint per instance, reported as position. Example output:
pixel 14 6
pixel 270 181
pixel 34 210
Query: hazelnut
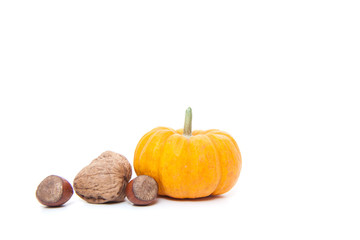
pixel 54 191
pixel 142 190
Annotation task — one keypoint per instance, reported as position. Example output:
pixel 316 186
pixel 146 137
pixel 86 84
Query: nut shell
pixel 142 190
pixel 54 191
pixel 104 179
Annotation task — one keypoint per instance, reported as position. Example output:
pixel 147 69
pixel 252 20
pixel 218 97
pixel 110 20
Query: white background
pixel 81 77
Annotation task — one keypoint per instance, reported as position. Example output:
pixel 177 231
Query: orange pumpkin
pixel 189 164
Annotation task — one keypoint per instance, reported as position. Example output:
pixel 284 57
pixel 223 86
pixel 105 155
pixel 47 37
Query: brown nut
pixel 54 191
pixel 104 179
pixel 142 190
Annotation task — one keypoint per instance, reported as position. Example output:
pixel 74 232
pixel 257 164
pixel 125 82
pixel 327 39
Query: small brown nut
pixel 104 179
pixel 54 191
pixel 142 190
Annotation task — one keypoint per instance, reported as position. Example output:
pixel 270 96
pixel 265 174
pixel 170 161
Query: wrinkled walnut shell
pixel 104 179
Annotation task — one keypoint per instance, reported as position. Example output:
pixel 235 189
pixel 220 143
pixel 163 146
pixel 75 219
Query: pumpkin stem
pixel 188 120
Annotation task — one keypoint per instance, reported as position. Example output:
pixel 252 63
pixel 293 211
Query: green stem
pixel 187 125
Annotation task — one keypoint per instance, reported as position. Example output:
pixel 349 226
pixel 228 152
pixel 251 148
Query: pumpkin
pixel 189 164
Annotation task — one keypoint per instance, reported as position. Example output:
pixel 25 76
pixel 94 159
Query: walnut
pixel 104 179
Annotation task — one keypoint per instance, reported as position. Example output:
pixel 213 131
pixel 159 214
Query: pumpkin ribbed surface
pixel 205 163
